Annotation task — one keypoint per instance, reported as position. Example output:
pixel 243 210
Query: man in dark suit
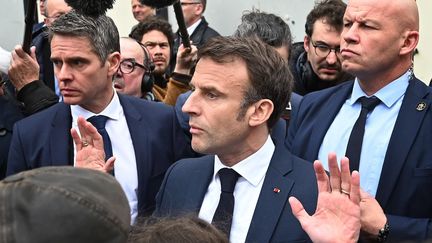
pixel 145 137
pixel 197 26
pixel 240 90
pixel 395 155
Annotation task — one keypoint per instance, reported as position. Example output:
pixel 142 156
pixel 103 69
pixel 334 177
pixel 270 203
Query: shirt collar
pixel 251 168
pixel 192 28
pixel 388 95
pixel 113 110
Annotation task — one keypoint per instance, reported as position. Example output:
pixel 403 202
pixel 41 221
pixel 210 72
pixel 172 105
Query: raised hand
pixel 89 147
pixel 186 59
pixel 23 68
pixel 337 215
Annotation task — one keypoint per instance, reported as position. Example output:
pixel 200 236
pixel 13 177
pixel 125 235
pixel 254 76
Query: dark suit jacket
pixel 10 112
pixel 43 139
pixel 404 189
pixel 186 183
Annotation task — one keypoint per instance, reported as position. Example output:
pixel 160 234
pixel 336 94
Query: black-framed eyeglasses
pixel 128 65
pixel 323 50
pixel 192 3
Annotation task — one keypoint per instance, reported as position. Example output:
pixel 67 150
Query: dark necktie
pixel 222 218
pixel 99 122
pixel 355 141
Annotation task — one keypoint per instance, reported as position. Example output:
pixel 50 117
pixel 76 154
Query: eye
pixel 323 48
pixel 211 95
pixel 347 24
pixel 57 63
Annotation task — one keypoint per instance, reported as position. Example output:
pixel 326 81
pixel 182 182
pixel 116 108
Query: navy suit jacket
pixel 404 189
pixel 10 112
pixel 43 139
pixel 186 182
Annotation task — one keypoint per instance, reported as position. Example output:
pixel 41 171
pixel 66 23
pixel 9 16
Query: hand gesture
pixel 23 68
pixel 186 59
pixel 337 216
pixel 89 148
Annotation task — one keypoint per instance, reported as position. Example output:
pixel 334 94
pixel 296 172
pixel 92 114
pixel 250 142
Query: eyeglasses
pixel 185 4
pixel 128 65
pixel 323 50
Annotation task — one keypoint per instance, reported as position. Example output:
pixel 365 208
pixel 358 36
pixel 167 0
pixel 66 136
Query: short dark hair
pixel 331 10
pixel 153 23
pixel 268 73
pixel 101 32
pixel 183 229
pixel 268 27
pixel 204 3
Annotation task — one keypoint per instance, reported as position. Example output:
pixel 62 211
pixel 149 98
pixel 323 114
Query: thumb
pixel 33 52
pixel 298 210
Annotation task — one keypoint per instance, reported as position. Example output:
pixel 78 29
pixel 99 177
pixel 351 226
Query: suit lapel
pixel 60 141
pixel 136 130
pixel 200 175
pixel 404 133
pixel 325 118
pixel 270 204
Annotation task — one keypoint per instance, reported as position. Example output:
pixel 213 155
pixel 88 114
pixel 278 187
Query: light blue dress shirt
pixel 378 130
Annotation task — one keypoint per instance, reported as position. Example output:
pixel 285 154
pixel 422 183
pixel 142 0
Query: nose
pixel 119 73
pixel 190 106
pixel 350 35
pixel 331 57
pixel 63 74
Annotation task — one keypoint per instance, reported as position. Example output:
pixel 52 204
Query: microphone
pixel 29 22
pixel 92 8
pixel 178 13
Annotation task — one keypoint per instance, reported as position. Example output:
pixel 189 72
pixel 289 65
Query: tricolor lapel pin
pixel 276 190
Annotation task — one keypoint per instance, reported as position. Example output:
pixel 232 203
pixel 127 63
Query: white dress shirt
pixel 125 168
pixel 246 192
pixel 378 129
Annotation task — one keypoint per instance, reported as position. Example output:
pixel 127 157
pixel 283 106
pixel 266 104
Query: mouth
pixel 68 91
pixel 347 52
pixel 194 129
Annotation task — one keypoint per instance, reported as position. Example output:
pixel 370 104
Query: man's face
pixel 130 83
pixel 214 107
pixel 158 46
pixel 371 37
pixel 83 79
pixel 326 67
pixel 54 9
pixel 140 11
pixel 42 7
pixel 192 10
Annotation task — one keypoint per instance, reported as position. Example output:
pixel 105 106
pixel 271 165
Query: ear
pixel 199 9
pixel 306 41
pixel 113 62
pixel 410 41
pixel 261 112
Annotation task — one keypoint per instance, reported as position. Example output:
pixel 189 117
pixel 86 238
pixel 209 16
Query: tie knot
pixel 228 178
pixel 98 121
pixel 369 103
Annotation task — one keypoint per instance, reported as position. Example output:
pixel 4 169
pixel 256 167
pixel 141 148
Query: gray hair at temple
pixel 268 27
pixel 101 32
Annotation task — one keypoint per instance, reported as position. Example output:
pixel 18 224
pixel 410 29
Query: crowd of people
pixel 242 138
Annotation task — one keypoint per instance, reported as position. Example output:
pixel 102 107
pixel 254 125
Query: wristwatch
pixel 383 233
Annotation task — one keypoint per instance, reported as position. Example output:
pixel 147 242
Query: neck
pixel 373 82
pixel 98 105
pixel 240 152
